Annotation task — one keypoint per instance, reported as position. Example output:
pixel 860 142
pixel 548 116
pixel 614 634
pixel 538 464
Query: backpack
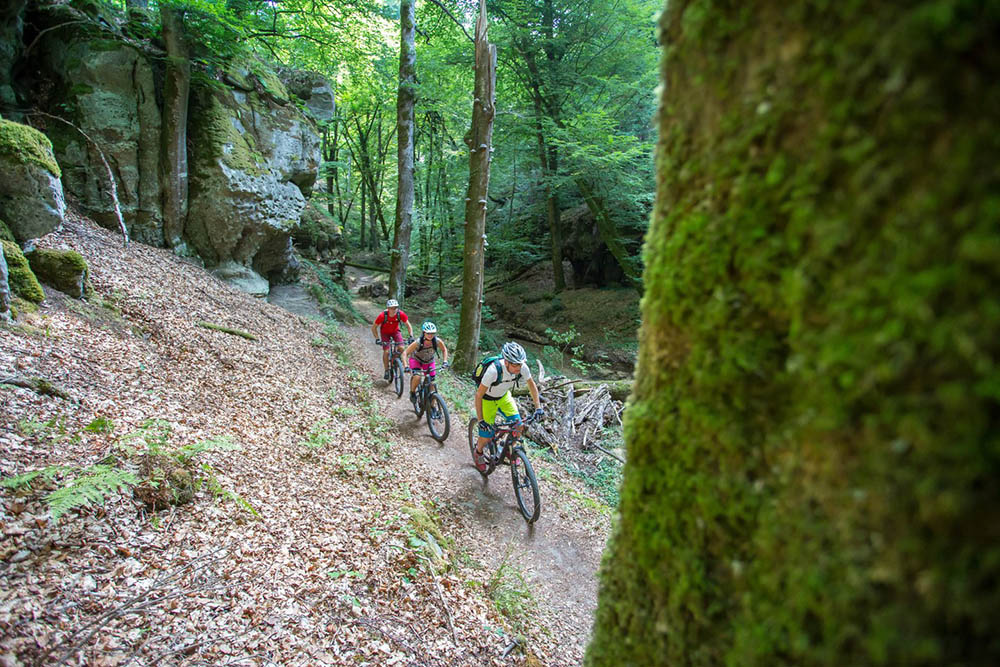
pixel 385 320
pixel 480 370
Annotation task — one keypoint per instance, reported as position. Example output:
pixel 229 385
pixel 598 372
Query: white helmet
pixel 392 303
pixel 429 327
pixel 513 353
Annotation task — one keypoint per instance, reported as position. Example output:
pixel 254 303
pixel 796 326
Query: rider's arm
pixel 444 351
pixel 374 328
pixel 409 327
pixel 408 351
pixel 533 388
pixel 479 401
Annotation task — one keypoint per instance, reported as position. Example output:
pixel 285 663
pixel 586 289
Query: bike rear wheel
pixel 525 485
pixel 418 404
pixel 438 420
pixel 397 376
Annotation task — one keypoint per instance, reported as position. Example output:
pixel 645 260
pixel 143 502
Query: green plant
pixel 318 437
pixel 333 293
pixel 91 487
pixel 509 591
pixel 25 480
pixel 100 425
pixel 186 454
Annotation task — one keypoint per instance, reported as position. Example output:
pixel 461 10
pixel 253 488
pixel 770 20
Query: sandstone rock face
pixel 313 89
pixel 11 29
pixel 31 194
pixel 107 86
pixel 256 159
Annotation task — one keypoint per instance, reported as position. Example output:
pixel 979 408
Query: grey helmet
pixel 392 303
pixel 513 353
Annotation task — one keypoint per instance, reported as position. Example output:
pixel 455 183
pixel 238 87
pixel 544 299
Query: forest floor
pixel 326 526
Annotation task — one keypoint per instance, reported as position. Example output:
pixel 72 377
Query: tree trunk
pixel 173 132
pixel 609 232
pixel 813 434
pixel 479 140
pixel 404 151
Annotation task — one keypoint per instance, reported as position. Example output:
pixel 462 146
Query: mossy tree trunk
pixel 814 436
pixel 479 139
pixel 405 98
pixel 173 137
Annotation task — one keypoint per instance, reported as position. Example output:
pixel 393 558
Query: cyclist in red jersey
pixel 387 324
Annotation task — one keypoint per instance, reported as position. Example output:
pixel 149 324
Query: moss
pixel 65 270
pixel 813 440
pixel 20 277
pixel 271 83
pixel 5 233
pixel 27 145
pixel 215 129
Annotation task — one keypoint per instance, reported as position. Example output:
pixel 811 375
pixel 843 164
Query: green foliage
pixel 187 453
pixel 813 439
pixel 318 437
pixel 24 480
pixel 92 487
pixel 100 425
pixel 333 294
pixel 510 593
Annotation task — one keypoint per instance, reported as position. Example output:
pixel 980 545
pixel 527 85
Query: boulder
pixel 11 29
pixel 105 87
pixel 20 278
pixel 257 157
pixel 242 278
pixel 312 89
pixel 64 270
pixel 31 194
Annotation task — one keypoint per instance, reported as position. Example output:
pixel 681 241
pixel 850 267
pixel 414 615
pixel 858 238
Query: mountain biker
pixel 387 323
pixel 494 395
pixel 420 354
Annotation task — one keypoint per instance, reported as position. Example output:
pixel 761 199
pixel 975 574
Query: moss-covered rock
pixel 21 279
pixel 813 440
pixel 65 270
pixel 26 144
pixel 31 195
pixel 5 233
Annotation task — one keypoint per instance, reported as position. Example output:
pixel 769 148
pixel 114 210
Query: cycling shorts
pixel 398 337
pixel 505 405
pixel 428 367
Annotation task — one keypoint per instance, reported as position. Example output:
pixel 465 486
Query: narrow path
pixel 559 555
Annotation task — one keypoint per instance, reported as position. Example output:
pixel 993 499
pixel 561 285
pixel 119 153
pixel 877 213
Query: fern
pixel 92 487
pixel 187 453
pixel 24 480
pixel 153 433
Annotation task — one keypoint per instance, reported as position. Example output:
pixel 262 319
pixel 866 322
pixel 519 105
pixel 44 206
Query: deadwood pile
pixel 580 415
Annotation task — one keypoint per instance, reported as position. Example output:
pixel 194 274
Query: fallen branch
pixel 367 267
pixel 38 385
pixel 611 454
pixel 107 171
pixel 234 332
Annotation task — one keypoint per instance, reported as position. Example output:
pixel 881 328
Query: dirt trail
pixel 559 555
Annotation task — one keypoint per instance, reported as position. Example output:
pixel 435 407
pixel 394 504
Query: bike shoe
pixel 481 463
pixel 385 376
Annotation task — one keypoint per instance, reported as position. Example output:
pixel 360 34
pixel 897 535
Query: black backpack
pixel 480 370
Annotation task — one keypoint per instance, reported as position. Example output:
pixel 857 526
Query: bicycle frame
pixel 509 436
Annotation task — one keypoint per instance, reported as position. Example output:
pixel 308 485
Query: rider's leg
pixel 489 414
pixel 415 379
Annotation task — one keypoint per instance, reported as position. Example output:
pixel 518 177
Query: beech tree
pixel 173 131
pixel 404 150
pixel 479 140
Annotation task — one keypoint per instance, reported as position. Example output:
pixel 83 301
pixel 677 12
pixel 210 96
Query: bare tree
pixel 404 150
pixel 479 140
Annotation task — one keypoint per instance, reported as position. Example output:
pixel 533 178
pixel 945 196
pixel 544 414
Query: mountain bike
pixel 505 447
pixel 395 363
pixel 429 402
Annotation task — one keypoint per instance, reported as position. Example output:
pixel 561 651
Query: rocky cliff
pixel 253 147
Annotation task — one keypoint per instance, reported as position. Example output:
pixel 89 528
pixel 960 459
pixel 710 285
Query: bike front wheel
pixel 525 485
pixel 397 377
pixel 438 420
